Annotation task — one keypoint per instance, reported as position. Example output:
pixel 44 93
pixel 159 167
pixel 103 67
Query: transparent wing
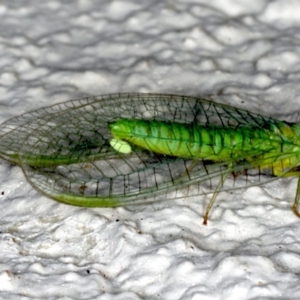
pixel 65 153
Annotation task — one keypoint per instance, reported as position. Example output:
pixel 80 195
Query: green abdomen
pixel 193 141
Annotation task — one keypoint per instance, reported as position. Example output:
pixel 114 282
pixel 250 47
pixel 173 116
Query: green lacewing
pixel 125 149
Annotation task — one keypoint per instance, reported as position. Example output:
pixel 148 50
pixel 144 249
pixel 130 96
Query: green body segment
pixel 209 142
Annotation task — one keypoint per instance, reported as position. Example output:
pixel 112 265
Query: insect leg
pixel 190 168
pixel 297 198
pixel 216 193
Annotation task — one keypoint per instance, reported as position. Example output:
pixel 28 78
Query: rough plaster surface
pixel 246 51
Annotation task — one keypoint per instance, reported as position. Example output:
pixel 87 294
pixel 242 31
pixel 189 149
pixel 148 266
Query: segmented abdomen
pixel 194 141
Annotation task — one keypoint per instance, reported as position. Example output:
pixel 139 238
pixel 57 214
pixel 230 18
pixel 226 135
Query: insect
pixel 125 149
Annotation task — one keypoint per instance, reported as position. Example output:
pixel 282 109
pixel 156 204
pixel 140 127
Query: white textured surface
pixel 51 51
